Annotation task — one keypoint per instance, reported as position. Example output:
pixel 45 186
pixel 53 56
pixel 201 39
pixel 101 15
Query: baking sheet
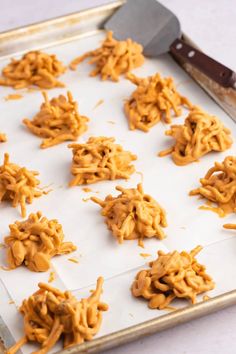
pixel 98 252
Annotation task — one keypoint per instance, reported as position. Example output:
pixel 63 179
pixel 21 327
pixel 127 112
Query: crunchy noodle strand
pixel 50 314
pixel 57 121
pixel 200 134
pixel 113 58
pixel 154 99
pixel 172 275
pixel 34 68
pixel 133 215
pixel 100 159
pixel 230 226
pixel 34 242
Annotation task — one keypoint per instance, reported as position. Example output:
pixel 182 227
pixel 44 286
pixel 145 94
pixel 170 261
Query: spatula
pixel 155 27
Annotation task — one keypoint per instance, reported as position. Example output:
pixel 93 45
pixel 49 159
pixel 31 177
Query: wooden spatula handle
pixel 210 67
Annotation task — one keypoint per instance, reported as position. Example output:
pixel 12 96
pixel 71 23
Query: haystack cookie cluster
pixel 113 58
pixel 133 215
pixel 34 68
pixel 154 99
pixel 50 314
pixel 57 121
pixel 172 275
pixel 18 185
pixel 219 186
pixel 200 134
pixel 34 242
pixel 100 159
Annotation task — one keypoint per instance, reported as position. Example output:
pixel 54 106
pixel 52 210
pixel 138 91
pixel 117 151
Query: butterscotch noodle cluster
pixel 219 186
pixel 133 215
pixel 172 275
pixel 100 159
pixel 58 120
pixel 200 134
pixel 34 242
pixel 18 185
pixel 34 68
pixel 50 314
pixel 113 58
pixel 3 138
pixel 154 99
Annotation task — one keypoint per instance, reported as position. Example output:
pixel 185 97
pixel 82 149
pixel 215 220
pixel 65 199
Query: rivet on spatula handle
pixel 210 67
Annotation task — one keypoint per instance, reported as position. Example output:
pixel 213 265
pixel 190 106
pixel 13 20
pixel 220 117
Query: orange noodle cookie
pixel 58 120
pixel 154 99
pixel 34 242
pixel 133 215
pixel 200 134
pixel 219 186
pixel 172 275
pixel 3 138
pixel 18 185
pixel 50 314
pixel 113 58
pixel 34 68
pixel 100 159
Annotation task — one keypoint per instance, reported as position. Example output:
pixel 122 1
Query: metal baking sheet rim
pixel 17 41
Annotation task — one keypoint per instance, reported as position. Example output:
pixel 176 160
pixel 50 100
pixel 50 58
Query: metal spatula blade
pixel 146 22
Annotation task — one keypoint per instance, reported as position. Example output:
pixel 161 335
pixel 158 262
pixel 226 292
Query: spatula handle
pixel 210 67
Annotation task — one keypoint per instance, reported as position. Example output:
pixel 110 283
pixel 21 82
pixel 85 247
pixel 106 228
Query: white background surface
pixel 211 24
